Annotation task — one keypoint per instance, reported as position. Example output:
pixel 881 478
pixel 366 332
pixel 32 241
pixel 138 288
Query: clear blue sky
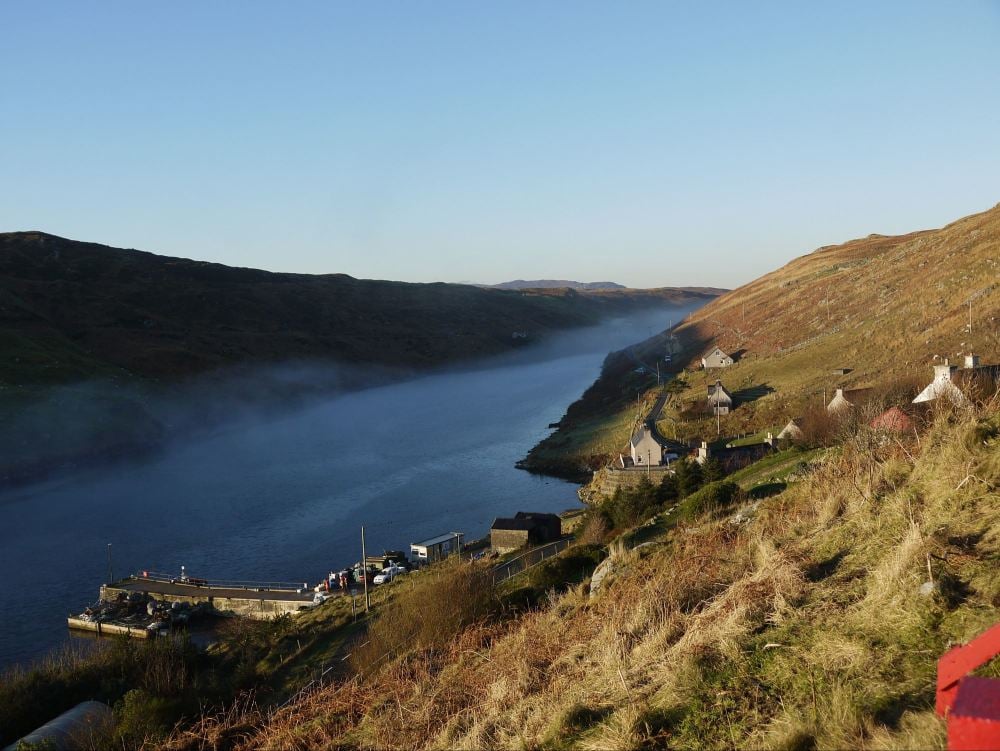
pixel 647 143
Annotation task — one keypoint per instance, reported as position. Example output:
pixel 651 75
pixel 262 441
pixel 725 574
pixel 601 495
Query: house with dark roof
pixel 733 458
pixel 847 399
pixel 952 383
pixel 524 528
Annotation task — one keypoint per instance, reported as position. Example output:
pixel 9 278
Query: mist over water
pixel 282 494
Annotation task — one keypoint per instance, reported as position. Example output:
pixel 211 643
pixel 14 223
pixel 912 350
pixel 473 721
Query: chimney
pixel 770 439
pixel 943 372
pixel 703 453
pixel 972 360
pixel 838 392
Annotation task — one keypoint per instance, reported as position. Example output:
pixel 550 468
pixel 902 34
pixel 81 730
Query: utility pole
pixel 111 570
pixel 364 569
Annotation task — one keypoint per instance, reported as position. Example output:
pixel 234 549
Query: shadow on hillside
pixel 824 569
pixel 767 490
pixel 752 393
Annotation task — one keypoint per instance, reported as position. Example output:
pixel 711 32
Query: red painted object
pixel 958 662
pixel 971 704
pixel 974 720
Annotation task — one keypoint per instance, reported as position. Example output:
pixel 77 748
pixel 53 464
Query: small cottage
pixel 791 432
pixel 733 458
pixel 847 399
pixel 720 401
pixel 524 528
pixel 716 358
pixel 951 382
pixel 645 449
pixel 437 548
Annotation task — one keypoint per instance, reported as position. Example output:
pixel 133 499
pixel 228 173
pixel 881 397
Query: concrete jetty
pixel 109 628
pixel 259 602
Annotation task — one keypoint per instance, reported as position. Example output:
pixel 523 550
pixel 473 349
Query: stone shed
pixel 524 528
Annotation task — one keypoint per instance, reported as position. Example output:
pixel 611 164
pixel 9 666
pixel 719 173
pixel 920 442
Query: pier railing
pixel 533 557
pixel 197 581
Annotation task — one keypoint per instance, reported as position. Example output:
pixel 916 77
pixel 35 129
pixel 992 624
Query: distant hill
pixel 556 283
pixel 70 310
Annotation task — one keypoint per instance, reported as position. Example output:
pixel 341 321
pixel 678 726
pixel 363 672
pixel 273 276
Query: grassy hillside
pixel 809 619
pixel 883 307
pixel 71 310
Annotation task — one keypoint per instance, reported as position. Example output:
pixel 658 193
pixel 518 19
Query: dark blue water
pixel 284 498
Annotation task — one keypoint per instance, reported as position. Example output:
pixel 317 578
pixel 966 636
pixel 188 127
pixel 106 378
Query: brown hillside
pixel 878 304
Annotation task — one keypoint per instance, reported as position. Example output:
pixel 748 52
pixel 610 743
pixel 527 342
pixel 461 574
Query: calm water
pixel 283 498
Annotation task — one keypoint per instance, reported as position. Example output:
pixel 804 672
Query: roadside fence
pixel 195 581
pixel 533 557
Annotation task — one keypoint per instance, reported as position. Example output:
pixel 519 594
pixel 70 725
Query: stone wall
pixel 606 481
pixel 505 540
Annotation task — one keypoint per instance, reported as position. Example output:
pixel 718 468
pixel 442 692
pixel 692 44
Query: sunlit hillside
pixel 809 619
pixel 883 308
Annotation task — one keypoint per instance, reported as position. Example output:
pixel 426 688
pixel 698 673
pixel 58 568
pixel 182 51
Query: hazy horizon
pixel 648 145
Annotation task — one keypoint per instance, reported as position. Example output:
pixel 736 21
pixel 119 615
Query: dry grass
pixel 802 628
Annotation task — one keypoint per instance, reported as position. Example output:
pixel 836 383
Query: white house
pixel 942 386
pixel 437 548
pixel 716 359
pixel 645 450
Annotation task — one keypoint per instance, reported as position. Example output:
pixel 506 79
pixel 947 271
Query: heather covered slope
pixel 812 619
pixel 882 307
pixel 879 304
pixel 71 310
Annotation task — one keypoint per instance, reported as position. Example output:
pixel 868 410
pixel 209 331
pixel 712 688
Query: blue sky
pixel 648 143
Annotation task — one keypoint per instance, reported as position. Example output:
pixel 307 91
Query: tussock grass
pixel 801 628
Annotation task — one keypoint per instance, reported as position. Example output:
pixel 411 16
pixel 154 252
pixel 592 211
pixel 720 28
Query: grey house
pixel 720 401
pixel 716 358
pixel 645 450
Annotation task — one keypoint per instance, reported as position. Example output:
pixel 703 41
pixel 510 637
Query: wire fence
pixel 533 557
pixel 328 670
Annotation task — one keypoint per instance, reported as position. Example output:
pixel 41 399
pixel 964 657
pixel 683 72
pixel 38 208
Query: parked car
pixel 389 573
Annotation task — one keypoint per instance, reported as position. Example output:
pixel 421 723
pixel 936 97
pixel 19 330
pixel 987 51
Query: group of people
pixel 339 580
